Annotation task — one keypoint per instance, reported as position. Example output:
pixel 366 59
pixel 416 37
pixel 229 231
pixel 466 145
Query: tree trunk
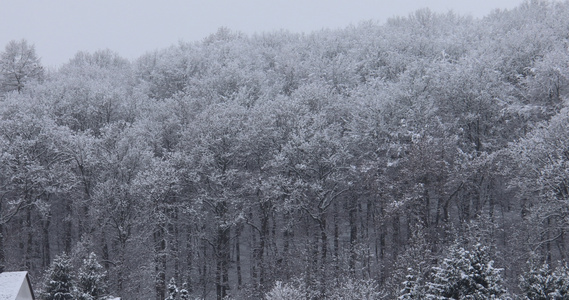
pixel 396 236
pixel 382 241
pixel 238 257
pixel 2 251
pixel 336 242
pixel 46 251
pixel 353 210
pixel 29 240
pixel 426 214
pixel 262 245
pixel 323 253
pixel 221 274
pixel 67 223
pixel 175 243
pixel 159 263
pixel 254 253
pixel 105 251
pixel 189 260
pixel 287 236
pixel 548 242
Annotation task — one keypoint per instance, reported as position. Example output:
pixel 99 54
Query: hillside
pixel 324 163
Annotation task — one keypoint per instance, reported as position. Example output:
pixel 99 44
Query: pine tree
pixel 91 281
pixel 348 288
pixel 184 294
pixel 172 289
pixel 542 283
pixel 412 287
pixel 59 284
pixel 466 275
pixel 286 292
pixel 416 261
pixel 561 276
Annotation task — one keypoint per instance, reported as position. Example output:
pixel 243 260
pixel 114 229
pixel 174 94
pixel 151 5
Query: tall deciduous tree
pixel 215 160
pixel 315 164
pixel 32 170
pixel 19 64
pixel 542 164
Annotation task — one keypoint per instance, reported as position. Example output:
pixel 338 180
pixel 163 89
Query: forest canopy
pixel 375 161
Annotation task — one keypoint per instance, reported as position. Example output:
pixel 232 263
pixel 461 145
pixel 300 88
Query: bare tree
pixel 18 65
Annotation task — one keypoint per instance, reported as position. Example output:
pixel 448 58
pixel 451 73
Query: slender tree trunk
pixel 314 266
pixel 120 270
pixel 84 226
pixel 175 243
pixel 323 241
pixel 238 256
pixel 560 241
pixel 382 241
pixel 2 251
pixel 204 270
pixel 287 235
pixel 254 257
pixel 46 253
pixel 159 263
pixel 323 254
pixel 222 252
pixel 219 290
pixel 353 210
pixel 548 242
pixel 29 240
pixel 273 268
pixel 426 214
pixel 336 242
pixel 189 260
pixel 105 256
pixel 466 208
pixel 222 275
pixel 262 245
pixel 396 223
pixel 67 223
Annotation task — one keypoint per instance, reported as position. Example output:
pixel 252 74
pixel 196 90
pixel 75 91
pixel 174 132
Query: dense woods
pixel 373 161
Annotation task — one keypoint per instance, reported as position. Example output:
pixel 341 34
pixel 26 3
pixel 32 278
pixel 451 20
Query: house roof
pixel 10 284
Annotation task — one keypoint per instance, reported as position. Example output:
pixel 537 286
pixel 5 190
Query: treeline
pixel 240 165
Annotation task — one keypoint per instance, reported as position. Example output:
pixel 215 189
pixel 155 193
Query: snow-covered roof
pixel 11 283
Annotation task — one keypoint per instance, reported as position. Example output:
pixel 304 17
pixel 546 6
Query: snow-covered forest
pixel 422 158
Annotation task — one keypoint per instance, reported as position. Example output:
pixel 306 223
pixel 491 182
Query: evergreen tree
pixel 412 265
pixel 561 276
pixel 91 281
pixel 184 294
pixel 59 284
pixel 412 288
pixel 542 283
pixel 466 275
pixel 286 292
pixel 172 289
pixel 353 289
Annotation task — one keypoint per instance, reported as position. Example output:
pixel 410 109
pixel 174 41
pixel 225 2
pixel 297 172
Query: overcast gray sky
pixel 61 28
